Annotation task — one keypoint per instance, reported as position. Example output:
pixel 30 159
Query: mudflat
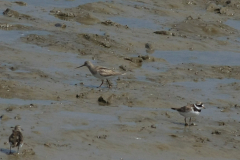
pixel 173 53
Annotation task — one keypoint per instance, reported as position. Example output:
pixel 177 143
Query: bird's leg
pixel 190 121
pixel 100 84
pixel 109 84
pixel 10 150
pixel 185 122
pixel 18 149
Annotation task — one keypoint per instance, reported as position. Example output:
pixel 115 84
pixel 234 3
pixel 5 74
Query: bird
pixel 101 72
pixel 16 138
pixel 190 110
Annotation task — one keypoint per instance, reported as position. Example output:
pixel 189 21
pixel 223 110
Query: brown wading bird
pixel 16 138
pixel 190 110
pixel 101 72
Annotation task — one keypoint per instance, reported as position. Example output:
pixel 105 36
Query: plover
pixel 16 138
pixel 190 110
pixel 101 72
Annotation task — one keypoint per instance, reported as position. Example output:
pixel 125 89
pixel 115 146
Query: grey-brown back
pixel 186 108
pixel 105 72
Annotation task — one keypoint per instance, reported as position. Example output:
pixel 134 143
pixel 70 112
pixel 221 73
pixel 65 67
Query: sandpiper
pixel 190 110
pixel 101 72
pixel 16 138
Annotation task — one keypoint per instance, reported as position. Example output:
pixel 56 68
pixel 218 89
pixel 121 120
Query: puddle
pixel 209 82
pixel 10 37
pixel 233 23
pixel 154 67
pixel 8 65
pixel 149 68
pixel 41 9
pixel 199 57
pixel 57 3
pixel 17 101
pixel 137 23
pixel 235 40
pixel 125 108
pixel 90 116
pixel 93 119
pixel 215 114
pixel 208 87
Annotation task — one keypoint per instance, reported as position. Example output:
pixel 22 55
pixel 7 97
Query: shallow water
pixel 155 67
pixel 41 9
pixel 17 101
pixel 233 23
pixel 130 142
pixel 208 87
pixel 207 90
pixel 216 114
pixel 11 36
pixel 199 57
pixel 137 23
pixel 93 120
pixel 56 3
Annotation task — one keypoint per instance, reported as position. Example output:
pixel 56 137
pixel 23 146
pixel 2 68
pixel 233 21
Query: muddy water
pixel 199 57
pixel 199 62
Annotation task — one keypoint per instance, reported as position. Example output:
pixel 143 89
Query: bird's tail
pixel 174 108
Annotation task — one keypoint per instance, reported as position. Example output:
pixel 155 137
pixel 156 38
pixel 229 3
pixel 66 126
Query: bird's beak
pixel 22 129
pixel 203 107
pixel 80 66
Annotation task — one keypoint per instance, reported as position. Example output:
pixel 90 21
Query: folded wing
pixel 105 72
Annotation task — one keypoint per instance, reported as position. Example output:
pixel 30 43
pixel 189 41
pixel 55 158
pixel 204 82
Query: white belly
pixel 99 76
pixel 102 77
pixel 14 145
pixel 189 114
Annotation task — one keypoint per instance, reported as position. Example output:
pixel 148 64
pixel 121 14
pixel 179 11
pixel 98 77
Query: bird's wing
pixel 186 108
pixel 10 138
pixel 105 72
pixel 20 138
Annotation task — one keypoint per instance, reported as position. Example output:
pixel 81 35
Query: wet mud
pixel 173 53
